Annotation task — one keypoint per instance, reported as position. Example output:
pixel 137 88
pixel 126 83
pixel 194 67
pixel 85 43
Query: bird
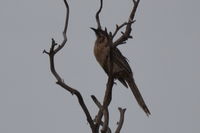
pixel 121 70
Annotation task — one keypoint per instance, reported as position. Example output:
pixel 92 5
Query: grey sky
pixel 164 56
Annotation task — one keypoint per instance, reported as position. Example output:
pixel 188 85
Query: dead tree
pixel 102 117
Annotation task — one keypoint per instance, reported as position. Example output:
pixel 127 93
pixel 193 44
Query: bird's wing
pixel 121 61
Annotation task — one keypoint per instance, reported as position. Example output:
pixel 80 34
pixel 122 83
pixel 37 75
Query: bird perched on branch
pixel 120 69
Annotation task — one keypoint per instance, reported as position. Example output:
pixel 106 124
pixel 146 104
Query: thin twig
pixel 119 27
pixel 65 29
pixel 121 120
pixel 97 15
pixel 96 101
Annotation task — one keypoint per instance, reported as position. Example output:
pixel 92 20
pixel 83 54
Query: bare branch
pixel 97 15
pixel 96 101
pixel 52 52
pixel 67 19
pixel 65 28
pixel 106 120
pixel 98 119
pixel 121 121
pixel 119 27
pixel 106 102
pixel 105 128
pixel 124 37
pixel 108 128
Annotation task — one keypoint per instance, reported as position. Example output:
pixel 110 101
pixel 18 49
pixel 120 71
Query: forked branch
pixel 121 120
pixel 52 52
pixel 105 113
pixel 126 35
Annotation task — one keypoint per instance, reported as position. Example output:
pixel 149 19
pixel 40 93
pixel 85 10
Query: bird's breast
pixel 101 52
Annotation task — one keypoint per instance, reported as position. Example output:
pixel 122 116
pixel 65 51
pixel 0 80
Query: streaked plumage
pixel 121 69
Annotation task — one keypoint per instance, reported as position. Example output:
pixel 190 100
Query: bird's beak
pixel 95 30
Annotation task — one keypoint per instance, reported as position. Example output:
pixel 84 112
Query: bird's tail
pixel 138 96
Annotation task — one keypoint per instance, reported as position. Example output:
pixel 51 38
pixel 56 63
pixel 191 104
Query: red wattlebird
pixel 121 69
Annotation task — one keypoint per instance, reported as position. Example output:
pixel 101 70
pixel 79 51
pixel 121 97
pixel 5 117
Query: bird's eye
pixel 101 39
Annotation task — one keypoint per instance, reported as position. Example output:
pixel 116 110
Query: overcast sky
pixel 164 56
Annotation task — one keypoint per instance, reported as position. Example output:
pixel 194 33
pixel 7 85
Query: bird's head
pixel 100 34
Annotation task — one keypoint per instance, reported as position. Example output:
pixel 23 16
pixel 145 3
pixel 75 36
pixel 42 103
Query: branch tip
pixel 45 52
pixel 117 26
pixel 121 120
pixel 97 15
